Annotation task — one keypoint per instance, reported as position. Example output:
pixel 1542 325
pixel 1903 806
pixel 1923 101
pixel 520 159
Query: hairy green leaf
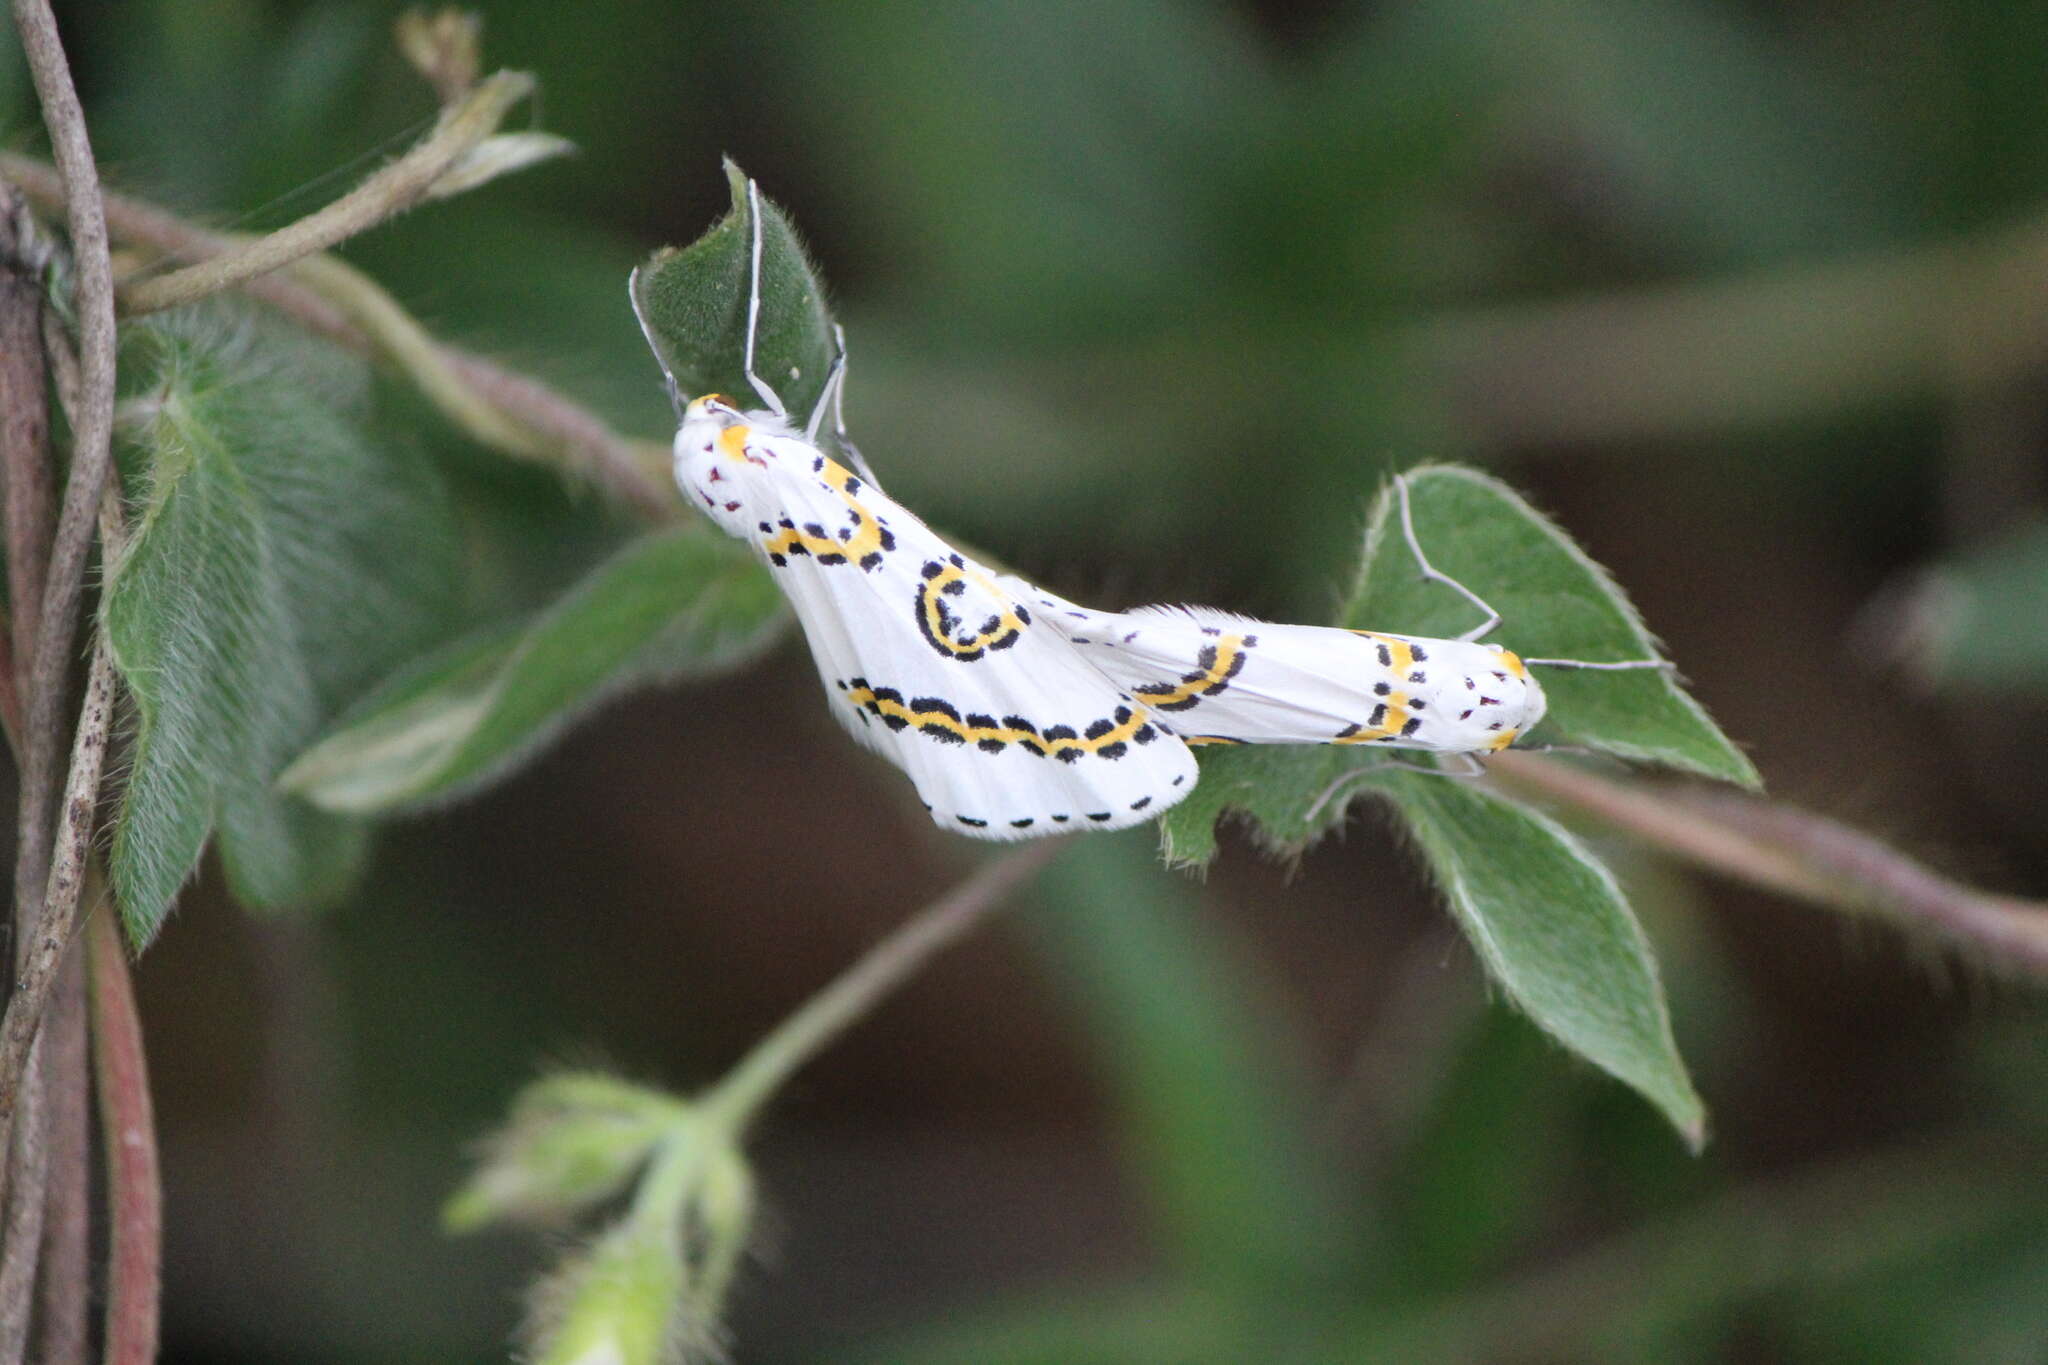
pixel 666 606
pixel 1553 931
pixel 693 301
pixel 1544 916
pixel 1554 602
pixel 281 557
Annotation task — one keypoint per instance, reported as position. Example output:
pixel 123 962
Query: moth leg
pixel 1470 767
pixel 1586 749
pixel 1664 664
pixel 675 395
pixel 1430 574
pixel 833 397
pixel 766 394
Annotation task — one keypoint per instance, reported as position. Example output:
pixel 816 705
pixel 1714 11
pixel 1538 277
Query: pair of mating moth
pixel 1018 713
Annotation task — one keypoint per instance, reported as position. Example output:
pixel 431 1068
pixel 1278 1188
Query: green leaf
pixel 1973 627
pixel 693 301
pixel 1214 1100
pixel 1544 916
pixel 281 557
pixel 1553 931
pixel 666 606
pixel 1554 602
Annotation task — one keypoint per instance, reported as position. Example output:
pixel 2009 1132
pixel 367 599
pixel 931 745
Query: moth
pixel 1017 713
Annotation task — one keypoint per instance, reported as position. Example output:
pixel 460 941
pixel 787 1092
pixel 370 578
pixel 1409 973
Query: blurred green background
pixel 1145 298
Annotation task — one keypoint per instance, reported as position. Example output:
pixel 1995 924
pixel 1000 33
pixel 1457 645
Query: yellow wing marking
pixel 1109 737
pixel 1215 666
pixel 942 629
pixel 862 541
pixel 1390 717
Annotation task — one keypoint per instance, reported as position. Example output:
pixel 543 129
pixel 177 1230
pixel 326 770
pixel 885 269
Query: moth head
pixel 713 432
pixel 712 407
pixel 1534 703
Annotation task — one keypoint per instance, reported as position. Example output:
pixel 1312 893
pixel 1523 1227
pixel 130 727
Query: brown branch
pixel 545 424
pixel 49 668
pixel 24 433
pixel 40 949
pixel 2007 930
pixel 27 1192
pixel 134 1187
pixel 390 191
pixel 1808 856
pixel 505 411
pixel 64 1283
pixel 41 953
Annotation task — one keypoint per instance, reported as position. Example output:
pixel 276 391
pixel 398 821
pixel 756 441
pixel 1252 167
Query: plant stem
pixel 41 951
pixel 390 191
pixel 361 316
pixel 1798 853
pixel 64 1281
pixel 134 1187
pixel 672 1170
pixel 24 434
pixel 92 427
pixel 40 946
pixel 27 1200
pixel 738 1098
pixel 502 410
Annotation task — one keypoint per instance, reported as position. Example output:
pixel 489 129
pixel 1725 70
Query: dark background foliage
pixel 1145 298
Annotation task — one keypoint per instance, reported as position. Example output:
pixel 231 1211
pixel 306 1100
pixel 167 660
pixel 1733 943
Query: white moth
pixel 1017 713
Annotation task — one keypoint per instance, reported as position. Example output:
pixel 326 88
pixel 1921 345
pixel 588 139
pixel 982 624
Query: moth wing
pixel 1220 676
pixel 1003 723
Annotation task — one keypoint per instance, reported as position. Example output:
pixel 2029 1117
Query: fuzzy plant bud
pixel 620 1302
pixel 573 1140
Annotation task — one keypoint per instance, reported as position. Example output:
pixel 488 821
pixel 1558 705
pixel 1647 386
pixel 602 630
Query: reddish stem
pixel 134 1190
pixel 64 1284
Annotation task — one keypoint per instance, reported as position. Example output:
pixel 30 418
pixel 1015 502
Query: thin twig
pixel 43 949
pixel 92 427
pixel 390 191
pixel 2002 930
pixel 858 990
pixel 26 1203
pixel 506 411
pixel 24 433
pixel 40 949
pixel 64 1283
pixel 361 316
pixel 1801 854
pixel 134 1187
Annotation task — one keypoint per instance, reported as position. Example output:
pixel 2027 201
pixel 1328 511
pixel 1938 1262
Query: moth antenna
pixel 675 394
pixel 761 388
pixel 1471 768
pixel 1431 574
